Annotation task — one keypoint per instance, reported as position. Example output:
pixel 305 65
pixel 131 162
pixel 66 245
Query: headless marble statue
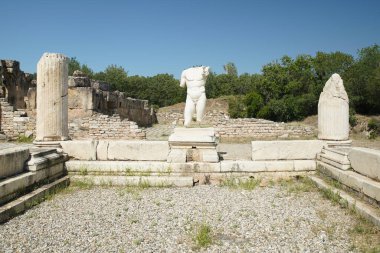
pixel 195 80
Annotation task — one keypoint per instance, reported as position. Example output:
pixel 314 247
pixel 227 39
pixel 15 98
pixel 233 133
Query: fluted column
pixel 52 111
pixel 333 111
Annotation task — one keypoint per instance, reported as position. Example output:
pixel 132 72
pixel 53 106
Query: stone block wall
pixel 100 126
pixel 15 83
pixel 16 123
pixel 91 96
pixel 261 129
pixel 217 116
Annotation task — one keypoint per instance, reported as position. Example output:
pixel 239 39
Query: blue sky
pixel 167 36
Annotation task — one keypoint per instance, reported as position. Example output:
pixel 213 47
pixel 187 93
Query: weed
pixel 137 241
pixel 331 195
pixel 297 185
pixel 24 139
pixel 145 173
pixel 143 184
pixel 83 171
pixel 241 183
pixel 366 236
pixel 203 235
pixel 129 172
pixel 82 184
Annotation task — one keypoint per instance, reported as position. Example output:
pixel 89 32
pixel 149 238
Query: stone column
pixel 52 110
pixel 333 111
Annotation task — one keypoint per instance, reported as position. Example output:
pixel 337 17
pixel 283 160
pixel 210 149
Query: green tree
pixel 362 81
pixel 254 103
pixel 230 69
pixel 73 65
pixel 115 75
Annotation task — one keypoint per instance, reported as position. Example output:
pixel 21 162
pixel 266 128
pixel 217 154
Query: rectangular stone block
pixel 102 151
pixel 372 189
pixel 138 150
pixel 304 165
pixel 286 150
pixel 365 161
pixel 279 166
pixel 242 166
pixel 12 160
pixel 209 155
pixel 80 149
pixel 177 156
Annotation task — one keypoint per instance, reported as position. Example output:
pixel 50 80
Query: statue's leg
pixel 201 105
pixel 189 109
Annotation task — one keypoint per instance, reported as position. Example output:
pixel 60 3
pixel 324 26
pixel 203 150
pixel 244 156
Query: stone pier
pixel 52 112
pixel 333 111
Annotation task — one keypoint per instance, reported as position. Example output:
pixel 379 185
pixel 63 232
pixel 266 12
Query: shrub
pixel 352 117
pixel 236 107
pixel 254 103
pixel 373 128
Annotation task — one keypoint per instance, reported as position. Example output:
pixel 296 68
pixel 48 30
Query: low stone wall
pixel 100 126
pixel 260 128
pixel 212 116
pixel 91 96
pixel 16 123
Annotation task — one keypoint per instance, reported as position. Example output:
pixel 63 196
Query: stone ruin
pixel 126 162
pixel 94 110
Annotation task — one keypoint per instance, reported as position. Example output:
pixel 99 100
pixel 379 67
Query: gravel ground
pixel 266 219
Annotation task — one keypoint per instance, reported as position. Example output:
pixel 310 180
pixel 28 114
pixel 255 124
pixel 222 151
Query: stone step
pixel 40 158
pixel 120 167
pixel 337 162
pixel 13 187
pixel 12 160
pixel 338 153
pixel 366 210
pixel 128 167
pixel 39 152
pixel 27 201
pixel 148 181
pixel 362 184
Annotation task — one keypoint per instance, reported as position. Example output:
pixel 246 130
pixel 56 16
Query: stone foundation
pixel 260 129
pixel 100 126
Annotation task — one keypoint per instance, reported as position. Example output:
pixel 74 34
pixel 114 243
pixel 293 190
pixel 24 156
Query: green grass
pixel 203 235
pixel 334 197
pixel 241 183
pixel 24 139
pixel 83 184
pixel 83 171
pixel 298 185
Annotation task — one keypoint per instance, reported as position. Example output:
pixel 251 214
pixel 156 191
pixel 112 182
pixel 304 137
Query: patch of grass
pixel 83 171
pixel 137 241
pixel 241 183
pixel 24 139
pixel 83 184
pixel 129 172
pixel 143 184
pixel 297 184
pixel 366 236
pixel 203 235
pixel 334 197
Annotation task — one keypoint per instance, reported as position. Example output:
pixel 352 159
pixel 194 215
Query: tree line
pixel 286 89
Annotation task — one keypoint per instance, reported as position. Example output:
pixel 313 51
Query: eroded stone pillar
pixel 52 111
pixel 333 111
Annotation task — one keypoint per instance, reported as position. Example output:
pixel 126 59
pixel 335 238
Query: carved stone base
pixel 193 145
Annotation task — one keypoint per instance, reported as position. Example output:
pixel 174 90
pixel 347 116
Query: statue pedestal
pixel 193 145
